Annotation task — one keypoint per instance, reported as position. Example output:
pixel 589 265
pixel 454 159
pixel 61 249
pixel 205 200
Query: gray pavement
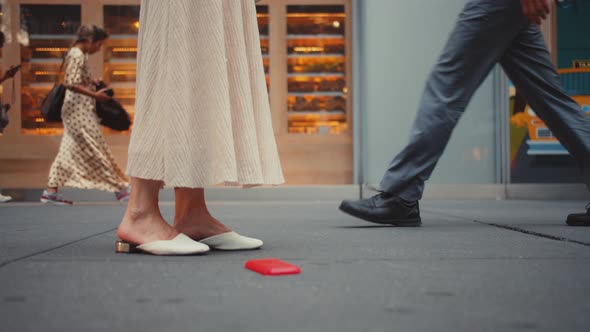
pixel 462 271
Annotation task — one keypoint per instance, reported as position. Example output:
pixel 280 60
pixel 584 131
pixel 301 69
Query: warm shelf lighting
pixel 51 49
pixel 316 15
pixel 124 49
pixel 39 120
pixel 123 72
pixel 136 24
pixel 46 73
pixel 308 49
pixel 301 79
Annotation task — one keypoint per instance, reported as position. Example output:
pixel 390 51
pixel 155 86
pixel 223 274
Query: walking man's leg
pixel 483 33
pixel 528 64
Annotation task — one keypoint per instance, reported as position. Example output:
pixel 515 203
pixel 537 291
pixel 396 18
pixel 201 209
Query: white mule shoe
pixel 232 241
pixel 180 245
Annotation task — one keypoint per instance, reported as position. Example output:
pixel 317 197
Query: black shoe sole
pixel 575 223
pixel 578 220
pixel 412 222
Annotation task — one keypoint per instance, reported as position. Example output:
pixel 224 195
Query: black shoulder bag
pixel 54 101
pixel 4 108
pixel 111 113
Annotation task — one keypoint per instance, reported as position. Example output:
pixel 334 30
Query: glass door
pixel 536 156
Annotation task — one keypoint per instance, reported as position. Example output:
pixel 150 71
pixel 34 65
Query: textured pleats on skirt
pixel 202 110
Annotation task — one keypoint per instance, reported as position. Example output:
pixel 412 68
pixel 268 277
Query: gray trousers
pixel 487 32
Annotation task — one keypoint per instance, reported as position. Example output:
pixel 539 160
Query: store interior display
pixel 120 55
pixel 315 73
pixel 316 66
pixel 47 33
pixel 263 29
pixel 2 66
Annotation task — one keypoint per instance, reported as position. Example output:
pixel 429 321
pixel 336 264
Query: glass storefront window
pixel 120 54
pixel 536 156
pixel 316 44
pixel 263 28
pixel 46 33
pixel 1 56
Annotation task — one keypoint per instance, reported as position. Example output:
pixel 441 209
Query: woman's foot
pixel 140 227
pixel 210 231
pixel 232 241
pixel 149 233
pixel 193 219
pixel 144 229
pixel 54 198
pixel 123 194
pixel 200 226
pixel 4 199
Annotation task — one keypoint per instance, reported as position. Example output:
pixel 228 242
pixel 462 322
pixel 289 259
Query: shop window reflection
pixel 46 33
pixel 316 61
pixel 263 28
pixel 120 54
pixel 2 70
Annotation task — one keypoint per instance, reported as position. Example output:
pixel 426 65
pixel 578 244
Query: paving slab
pixel 545 217
pixel 453 274
pixel 29 228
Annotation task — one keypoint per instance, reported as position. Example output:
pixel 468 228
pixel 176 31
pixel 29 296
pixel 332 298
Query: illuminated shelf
pixel 121 61
pixel 322 74
pixel 123 85
pixel 320 36
pixel 48 60
pixel 321 112
pixel 48 85
pixel 51 49
pixel 318 93
pixel 62 37
pixel 317 55
pixel 118 85
pixel 264 37
pixel 123 36
pixel 316 14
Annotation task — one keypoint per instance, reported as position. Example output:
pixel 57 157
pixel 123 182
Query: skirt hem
pixel 205 184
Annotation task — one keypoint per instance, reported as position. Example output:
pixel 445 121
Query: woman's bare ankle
pixel 141 226
pixel 136 214
pixel 200 227
pixel 191 217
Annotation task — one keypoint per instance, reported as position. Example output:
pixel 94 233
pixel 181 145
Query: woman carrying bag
pixel 84 159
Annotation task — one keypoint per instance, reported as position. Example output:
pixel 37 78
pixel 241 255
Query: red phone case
pixel 272 267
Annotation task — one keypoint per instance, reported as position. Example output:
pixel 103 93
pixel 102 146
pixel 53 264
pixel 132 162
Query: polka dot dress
pixel 84 159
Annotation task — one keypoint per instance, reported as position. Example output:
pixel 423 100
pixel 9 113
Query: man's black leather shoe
pixel 579 219
pixel 385 209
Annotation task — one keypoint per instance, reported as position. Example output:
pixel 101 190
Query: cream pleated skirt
pixel 202 111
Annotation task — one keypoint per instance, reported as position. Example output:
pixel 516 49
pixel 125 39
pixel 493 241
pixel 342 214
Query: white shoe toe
pixel 180 245
pixel 232 241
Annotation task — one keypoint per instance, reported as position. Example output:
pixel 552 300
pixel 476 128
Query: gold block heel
pixel 122 247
